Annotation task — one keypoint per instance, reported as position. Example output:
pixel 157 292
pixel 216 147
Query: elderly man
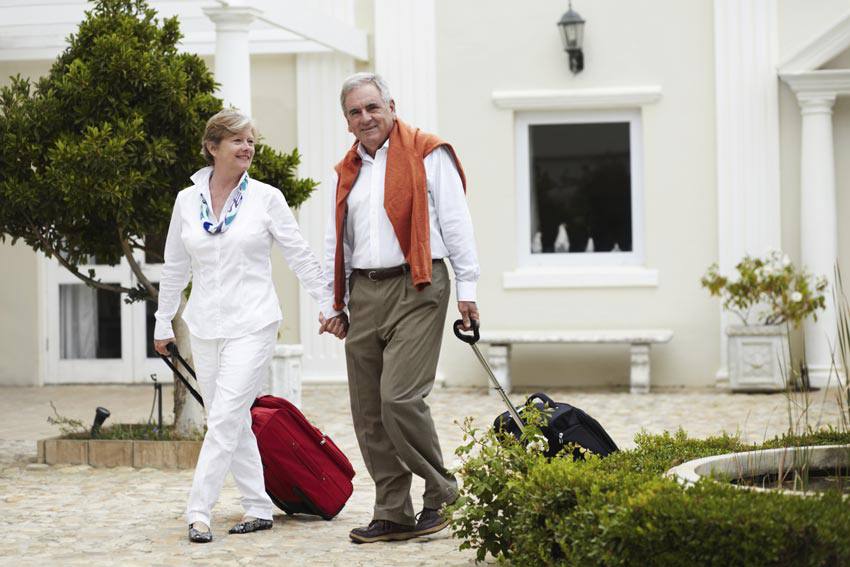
pixel 399 211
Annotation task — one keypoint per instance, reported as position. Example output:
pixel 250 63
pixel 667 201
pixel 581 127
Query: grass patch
pixel 136 431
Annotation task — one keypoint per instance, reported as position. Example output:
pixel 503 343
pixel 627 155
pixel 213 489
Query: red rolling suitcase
pixel 305 472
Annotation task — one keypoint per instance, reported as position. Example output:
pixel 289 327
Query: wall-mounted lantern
pixel 572 34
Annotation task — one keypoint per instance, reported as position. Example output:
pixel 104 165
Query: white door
pixel 93 336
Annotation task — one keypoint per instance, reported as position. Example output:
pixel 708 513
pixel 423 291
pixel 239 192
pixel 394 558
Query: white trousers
pixel 231 372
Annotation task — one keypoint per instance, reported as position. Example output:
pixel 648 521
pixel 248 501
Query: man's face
pixel 369 118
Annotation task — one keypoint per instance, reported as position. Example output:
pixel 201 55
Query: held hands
pixel 337 326
pixel 162 346
pixel 468 310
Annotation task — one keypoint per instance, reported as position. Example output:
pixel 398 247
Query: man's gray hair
pixel 360 79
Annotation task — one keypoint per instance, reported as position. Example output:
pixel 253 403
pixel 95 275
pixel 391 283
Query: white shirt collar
pixel 201 179
pixel 361 151
pixel 202 176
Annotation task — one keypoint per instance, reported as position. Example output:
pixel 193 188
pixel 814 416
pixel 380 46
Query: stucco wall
pixel 483 46
pixel 273 103
pixel 19 324
pixel 19 288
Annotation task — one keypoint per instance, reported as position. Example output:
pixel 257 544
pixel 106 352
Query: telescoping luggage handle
pixel 471 340
pixel 172 348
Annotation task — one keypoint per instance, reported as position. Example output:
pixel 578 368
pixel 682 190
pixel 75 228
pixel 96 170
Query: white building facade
pixel 723 127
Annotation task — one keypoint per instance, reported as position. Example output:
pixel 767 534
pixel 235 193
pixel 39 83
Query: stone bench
pixel 500 342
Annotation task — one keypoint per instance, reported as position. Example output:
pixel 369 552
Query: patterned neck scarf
pixel 228 211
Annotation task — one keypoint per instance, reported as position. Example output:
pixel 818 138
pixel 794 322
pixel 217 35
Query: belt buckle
pixel 371 275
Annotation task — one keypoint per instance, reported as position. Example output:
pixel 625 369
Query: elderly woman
pixel 221 234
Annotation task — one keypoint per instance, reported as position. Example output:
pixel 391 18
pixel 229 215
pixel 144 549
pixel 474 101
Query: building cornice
pixel 617 97
pixel 830 82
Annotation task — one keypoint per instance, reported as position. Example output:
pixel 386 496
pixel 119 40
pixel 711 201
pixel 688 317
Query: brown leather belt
pixel 378 274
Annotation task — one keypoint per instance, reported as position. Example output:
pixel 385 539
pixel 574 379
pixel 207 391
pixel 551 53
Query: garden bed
pixel 122 445
pixel 518 506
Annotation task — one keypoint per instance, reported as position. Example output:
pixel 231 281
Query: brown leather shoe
pixel 381 530
pixel 430 521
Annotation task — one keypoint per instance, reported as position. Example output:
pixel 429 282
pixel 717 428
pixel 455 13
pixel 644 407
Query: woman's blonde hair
pixel 224 123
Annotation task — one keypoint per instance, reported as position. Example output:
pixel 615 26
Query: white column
pixel 406 56
pixel 818 222
pixel 232 54
pixel 747 118
pixel 322 141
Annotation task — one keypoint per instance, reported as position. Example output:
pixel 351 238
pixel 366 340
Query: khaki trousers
pixel 391 351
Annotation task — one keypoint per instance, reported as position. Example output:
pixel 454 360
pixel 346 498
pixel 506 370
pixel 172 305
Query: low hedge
pixel 520 507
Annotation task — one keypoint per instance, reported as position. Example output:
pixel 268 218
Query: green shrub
pixel 518 506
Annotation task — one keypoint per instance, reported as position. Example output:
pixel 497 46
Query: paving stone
pixel 127 516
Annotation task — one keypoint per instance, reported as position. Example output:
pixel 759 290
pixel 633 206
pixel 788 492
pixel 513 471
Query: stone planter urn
pixel 759 358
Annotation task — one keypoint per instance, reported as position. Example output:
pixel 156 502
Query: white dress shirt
pixel 370 240
pixel 231 272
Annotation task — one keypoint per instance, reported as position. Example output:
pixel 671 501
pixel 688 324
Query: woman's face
pixel 234 152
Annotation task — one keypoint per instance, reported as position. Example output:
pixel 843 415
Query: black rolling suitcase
pixel 566 425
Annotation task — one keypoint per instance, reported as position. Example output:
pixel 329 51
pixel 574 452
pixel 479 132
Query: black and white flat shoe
pixel 199 536
pixel 249 526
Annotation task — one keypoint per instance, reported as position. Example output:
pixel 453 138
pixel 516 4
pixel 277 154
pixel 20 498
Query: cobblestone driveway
pixel 77 515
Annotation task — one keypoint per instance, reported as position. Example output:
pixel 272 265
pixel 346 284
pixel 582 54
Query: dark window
pixel 90 322
pixel 580 188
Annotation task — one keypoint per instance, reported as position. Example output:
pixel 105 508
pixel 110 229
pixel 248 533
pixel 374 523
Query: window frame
pixel 525 258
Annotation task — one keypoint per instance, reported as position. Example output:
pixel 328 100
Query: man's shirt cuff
pixel 466 291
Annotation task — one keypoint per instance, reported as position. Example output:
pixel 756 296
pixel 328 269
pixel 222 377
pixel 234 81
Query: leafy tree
pixel 93 154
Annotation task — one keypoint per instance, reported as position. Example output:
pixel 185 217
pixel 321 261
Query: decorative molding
pixel 747 136
pixel 232 55
pixel 580 277
pixel 322 141
pixel 820 49
pixel 235 19
pixel 829 82
pixel 406 57
pixel 310 22
pixel 262 42
pixel 30 33
pixel 619 97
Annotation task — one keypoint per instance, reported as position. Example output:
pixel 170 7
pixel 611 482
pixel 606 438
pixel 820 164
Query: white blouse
pixel 232 291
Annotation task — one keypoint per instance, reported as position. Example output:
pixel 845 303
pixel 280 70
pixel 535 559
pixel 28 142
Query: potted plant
pixel 768 295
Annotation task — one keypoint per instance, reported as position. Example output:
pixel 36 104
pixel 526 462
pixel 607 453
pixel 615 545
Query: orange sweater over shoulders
pixel 405 200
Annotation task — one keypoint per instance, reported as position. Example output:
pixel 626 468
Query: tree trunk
pixel 188 413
